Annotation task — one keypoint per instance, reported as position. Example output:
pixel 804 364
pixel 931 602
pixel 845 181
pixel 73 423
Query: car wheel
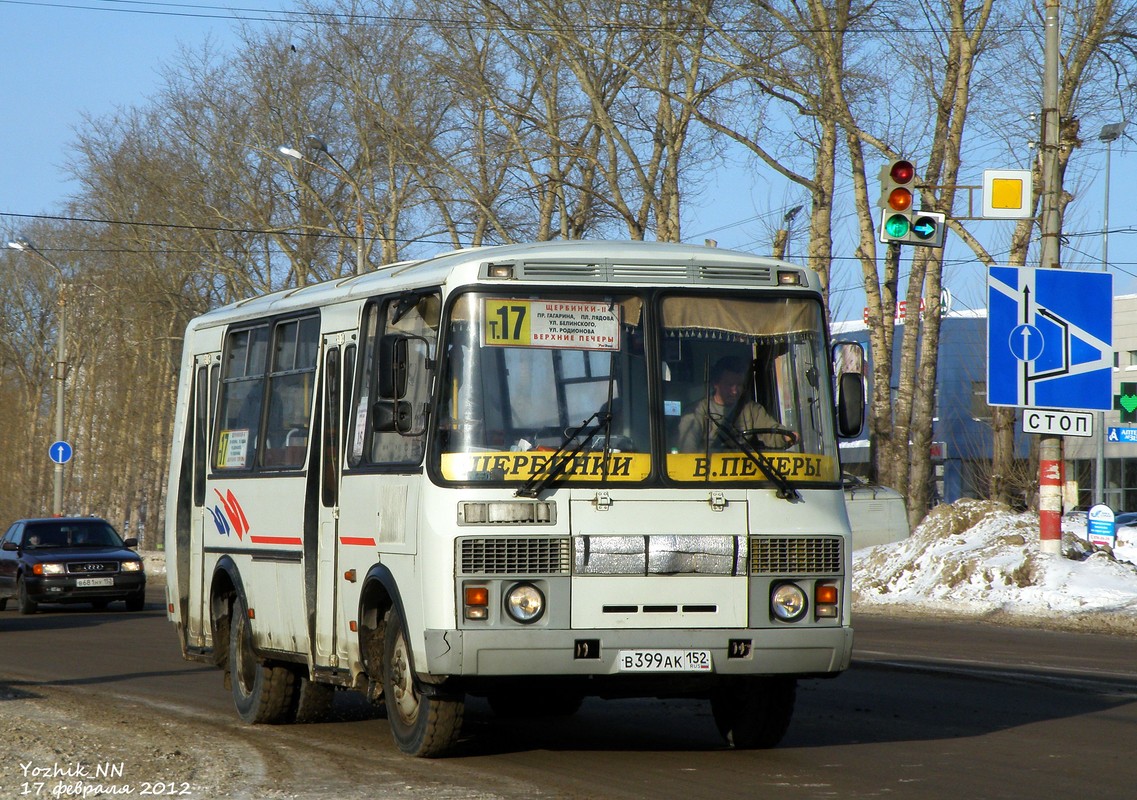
pixel 754 713
pixel 261 693
pixel 423 725
pixel 136 602
pixel 3 603
pixel 26 604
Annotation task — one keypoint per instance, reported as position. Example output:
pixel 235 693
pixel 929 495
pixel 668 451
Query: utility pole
pixel 1050 459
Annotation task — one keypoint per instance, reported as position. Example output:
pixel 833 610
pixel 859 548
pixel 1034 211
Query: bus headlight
pixel 788 602
pixel 524 603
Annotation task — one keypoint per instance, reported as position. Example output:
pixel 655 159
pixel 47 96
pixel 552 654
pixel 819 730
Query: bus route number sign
pixel 559 324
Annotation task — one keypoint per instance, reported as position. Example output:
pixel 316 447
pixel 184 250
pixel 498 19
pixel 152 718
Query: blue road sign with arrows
pixel 1049 338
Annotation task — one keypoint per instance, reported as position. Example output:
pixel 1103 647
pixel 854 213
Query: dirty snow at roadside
pixel 976 558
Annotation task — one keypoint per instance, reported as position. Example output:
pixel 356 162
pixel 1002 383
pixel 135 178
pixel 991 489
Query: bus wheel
pixel 313 700
pixel 754 713
pixel 424 725
pixel 261 693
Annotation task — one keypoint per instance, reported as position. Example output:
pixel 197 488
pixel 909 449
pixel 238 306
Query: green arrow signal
pixel 896 226
pixel 925 227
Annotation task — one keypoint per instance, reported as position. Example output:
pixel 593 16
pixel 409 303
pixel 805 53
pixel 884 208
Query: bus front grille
pixel 514 555
pixel 818 555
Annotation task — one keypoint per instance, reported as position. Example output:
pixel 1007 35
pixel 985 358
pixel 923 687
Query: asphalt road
pixel 929 709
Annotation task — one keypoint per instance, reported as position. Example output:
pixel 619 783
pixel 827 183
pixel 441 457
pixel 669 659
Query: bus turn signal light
pixel 477 600
pixel 825 600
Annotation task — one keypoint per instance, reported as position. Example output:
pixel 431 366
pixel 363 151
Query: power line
pixel 885 24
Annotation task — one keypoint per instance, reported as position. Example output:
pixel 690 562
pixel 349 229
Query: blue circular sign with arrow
pixel 60 452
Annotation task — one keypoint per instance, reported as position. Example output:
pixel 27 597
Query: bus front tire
pixel 263 694
pixel 423 725
pixel 754 713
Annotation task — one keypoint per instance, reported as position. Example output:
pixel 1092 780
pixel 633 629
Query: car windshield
pixel 83 533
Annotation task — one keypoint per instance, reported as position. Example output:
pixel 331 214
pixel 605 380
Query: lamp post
pixel 25 246
pixel 320 146
pixel 1109 134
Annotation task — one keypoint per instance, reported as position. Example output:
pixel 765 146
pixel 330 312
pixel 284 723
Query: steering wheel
pixel 753 436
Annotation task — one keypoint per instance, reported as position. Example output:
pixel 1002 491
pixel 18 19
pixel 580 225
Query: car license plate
pixel 88 582
pixel 664 661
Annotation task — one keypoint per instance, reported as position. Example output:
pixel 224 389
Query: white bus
pixel 531 473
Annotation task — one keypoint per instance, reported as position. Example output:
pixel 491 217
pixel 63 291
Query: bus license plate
pixel 86 582
pixel 664 661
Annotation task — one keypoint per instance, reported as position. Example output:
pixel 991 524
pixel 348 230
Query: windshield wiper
pixel 786 490
pixel 603 418
pixel 559 461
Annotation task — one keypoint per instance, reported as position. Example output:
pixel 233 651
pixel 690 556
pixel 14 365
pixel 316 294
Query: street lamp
pixel 1109 134
pixel 320 146
pixel 23 245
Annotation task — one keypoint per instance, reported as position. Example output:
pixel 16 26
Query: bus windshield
pixel 540 384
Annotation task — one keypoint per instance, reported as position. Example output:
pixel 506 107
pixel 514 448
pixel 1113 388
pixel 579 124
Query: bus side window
pixel 242 388
pixel 291 391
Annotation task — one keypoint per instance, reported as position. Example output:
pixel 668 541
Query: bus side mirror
pixel 391 415
pixel 393 366
pixel 849 364
pixel 850 405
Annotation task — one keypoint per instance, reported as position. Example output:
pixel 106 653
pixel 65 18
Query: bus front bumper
pixel 807 651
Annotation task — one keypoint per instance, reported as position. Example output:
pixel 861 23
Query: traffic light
pixel 897 179
pixel 900 222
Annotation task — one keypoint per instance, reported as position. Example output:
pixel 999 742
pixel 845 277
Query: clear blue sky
pixel 61 58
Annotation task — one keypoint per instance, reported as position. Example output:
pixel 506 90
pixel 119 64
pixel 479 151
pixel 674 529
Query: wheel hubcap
pixel 402 684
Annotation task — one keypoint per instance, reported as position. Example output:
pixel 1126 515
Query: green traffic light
pixel 896 226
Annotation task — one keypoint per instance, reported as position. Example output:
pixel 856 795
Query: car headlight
pixel 131 566
pixel 525 603
pixel 49 569
pixel 788 602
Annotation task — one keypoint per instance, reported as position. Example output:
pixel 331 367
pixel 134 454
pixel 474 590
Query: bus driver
pixel 727 405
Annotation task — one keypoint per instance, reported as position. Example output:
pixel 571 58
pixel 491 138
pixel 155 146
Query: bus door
pixel 338 357
pixel 191 559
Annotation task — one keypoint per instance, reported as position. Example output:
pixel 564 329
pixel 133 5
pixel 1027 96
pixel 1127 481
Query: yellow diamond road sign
pixel 1007 193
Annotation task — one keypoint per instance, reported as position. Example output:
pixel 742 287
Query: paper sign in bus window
pixel 563 324
pixel 234 448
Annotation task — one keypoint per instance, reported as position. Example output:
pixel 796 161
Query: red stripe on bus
pixel 276 540
pixel 361 540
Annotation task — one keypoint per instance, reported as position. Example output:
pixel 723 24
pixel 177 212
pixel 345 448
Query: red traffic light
pixel 902 171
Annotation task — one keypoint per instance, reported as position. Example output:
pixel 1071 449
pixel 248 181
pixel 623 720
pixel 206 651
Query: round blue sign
pixel 59 452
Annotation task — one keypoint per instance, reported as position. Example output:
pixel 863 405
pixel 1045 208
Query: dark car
pixel 69 560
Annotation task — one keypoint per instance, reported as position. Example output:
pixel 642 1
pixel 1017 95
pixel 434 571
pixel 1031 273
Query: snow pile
pixel 977 558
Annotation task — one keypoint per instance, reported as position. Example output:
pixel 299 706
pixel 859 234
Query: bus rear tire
pixel 754 713
pixel 423 725
pixel 263 694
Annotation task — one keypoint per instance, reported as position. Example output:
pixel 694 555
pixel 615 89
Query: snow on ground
pixel 976 558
